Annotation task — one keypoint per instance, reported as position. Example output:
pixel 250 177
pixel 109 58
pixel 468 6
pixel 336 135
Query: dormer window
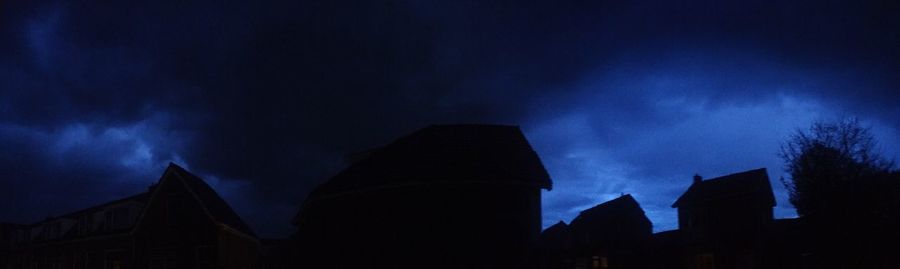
pixel 84 224
pixel 117 218
pixel 52 230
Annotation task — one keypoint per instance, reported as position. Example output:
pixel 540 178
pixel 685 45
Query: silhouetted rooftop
pixel 752 185
pixel 140 197
pixel 555 236
pixel 667 239
pixel 612 209
pixel 217 207
pixel 455 153
pixel 559 227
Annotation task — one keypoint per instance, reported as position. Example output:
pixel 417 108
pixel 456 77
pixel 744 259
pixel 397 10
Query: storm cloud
pixel 263 100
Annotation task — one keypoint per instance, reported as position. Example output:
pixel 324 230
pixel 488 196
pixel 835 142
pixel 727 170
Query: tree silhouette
pixel 825 158
pixel 846 192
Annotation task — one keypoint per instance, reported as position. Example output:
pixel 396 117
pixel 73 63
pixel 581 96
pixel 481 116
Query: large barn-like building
pixel 613 234
pixel 446 196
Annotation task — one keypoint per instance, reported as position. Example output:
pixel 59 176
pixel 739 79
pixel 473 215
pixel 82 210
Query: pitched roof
pixel 555 236
pixel 668 240
pixel 559 227
pixel 466 152
pixel 140 198
pixel 612 209
pixel 217 207
pixel 752 185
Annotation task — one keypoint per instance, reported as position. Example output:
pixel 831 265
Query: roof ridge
pixel 734 174
pixel 741 183
pixel 238 223
pixel 84 210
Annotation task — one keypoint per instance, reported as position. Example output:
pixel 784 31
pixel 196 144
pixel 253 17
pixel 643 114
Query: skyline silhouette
pixel 469 196
pixel 265 100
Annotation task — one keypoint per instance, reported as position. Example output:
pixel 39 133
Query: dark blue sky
pixel 263 100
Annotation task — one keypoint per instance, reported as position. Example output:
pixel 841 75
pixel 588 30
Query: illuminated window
pixel 598 262
pixel 115 259
pixel 704 261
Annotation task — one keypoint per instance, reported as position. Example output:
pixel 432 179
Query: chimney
pixel 697 178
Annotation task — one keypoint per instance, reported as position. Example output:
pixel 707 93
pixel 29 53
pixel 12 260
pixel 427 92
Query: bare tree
pixel 826 158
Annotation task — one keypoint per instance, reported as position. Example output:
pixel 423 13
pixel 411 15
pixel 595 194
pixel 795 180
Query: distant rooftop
pixel 611 209
pixel 752 184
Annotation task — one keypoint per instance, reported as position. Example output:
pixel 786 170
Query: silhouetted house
pixel 180 222
pixel 610 235
pixel 554 247
pixel 666 251
pixel 723 221
pixel 448 196
pixel 613 234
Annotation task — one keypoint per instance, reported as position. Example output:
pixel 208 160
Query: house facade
pixel 723 221
pixel 447 196
pixel 613 234
pixel 179 222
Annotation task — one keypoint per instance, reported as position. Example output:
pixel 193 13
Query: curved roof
pixel 466 152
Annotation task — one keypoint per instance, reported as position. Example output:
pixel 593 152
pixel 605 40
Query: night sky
pixel 264 100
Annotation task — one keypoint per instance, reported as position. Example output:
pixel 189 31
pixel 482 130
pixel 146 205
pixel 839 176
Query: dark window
pixel 172 210
pixel 117 218
pixel 162 259
pixel 84 223
pixel 206 254
pixel 52 230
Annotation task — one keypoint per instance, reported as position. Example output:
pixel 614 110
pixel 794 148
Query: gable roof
pixel 613 209
pixel 465 152
pixel 140 197
pixel 555 236
pixel 72 233
pixel 560 226
pixel 752 185
pixel 218 209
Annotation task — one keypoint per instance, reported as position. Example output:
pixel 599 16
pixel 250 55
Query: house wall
pixel 729 233
pixel 235 250
pixel 449 225
pixel 727 217
pixel 87 253
pixel 175 230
